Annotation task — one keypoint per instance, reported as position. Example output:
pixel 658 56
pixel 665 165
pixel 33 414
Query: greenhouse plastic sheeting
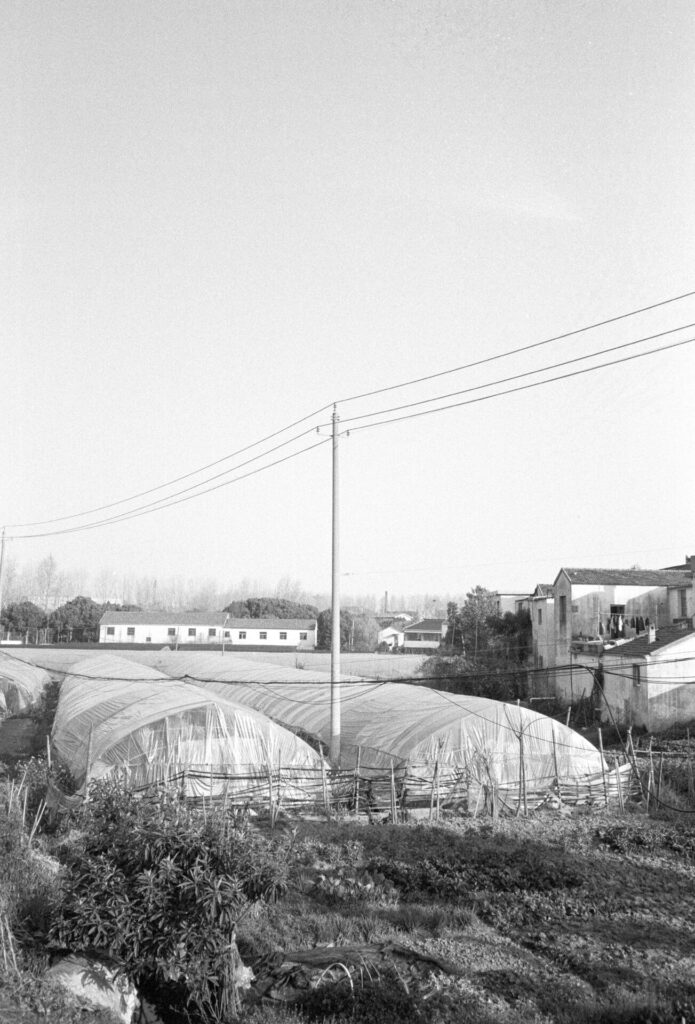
pixel 21 684
pixel 113 713
pixel 408 727
pixel 201 666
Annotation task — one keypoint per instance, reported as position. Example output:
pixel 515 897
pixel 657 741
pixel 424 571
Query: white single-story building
pixel 177 629
pixel 425 635
pixel 391 635
pixel 650 681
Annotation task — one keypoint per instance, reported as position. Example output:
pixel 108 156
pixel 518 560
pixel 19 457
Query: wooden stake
pixel 324 783
pixel 619 781
pixel 89 765
pixel 357 780
pixel 271 794
pixel 434 777
pixel 522 777
pixel 569 715
pixel 394 811
pixel 603 767
pixel 436 770
pixel 557 773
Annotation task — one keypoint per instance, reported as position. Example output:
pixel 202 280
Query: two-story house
pixel 595 608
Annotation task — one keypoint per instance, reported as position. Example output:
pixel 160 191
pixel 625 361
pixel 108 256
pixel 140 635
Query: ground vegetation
pixel 570 915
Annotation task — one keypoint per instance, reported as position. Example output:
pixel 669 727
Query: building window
pixel 212 631
pixel 171 631
pixel 683 603
pixel 130 631
pixel 110 630
pixel 563 610
pixel 540 616
pixel 617 609
pixel 148 639
pixel 283 636
pixel 227 633
pixel 262 635
pixel 191 630
pixel 242 634
pixel 636 675
pixel 302 636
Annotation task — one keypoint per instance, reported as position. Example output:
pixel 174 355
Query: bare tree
pixel 46 582
pixel 290 589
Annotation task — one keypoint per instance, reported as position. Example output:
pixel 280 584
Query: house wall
pixel 572 680
pixel 391 637
pixel 159 635
pixel 543 631
pixel 675 603
pixel 665 694
pixel 588 605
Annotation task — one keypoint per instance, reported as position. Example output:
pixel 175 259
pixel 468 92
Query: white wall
pixel 159 636
pixel 665 694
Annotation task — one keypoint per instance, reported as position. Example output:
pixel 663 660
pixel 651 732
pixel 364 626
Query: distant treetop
pixel 270 608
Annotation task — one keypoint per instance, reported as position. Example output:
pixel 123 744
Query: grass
pixel 587 919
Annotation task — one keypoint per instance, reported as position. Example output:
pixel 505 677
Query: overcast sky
pixel 219 217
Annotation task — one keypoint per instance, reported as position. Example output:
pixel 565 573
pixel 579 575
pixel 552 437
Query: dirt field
pixel 553 918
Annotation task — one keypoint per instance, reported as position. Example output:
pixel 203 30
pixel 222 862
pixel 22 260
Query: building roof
pixel 640 647
pixel 425 626
pixel 544 590
pixel 110 618
pixel 628 577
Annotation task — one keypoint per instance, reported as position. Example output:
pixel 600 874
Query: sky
pixel 222 217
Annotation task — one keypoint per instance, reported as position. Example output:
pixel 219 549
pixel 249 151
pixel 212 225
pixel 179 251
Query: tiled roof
pixel 425 626
pixel 544 590
pixel 200 619
pixel 629 577
pixel 640 646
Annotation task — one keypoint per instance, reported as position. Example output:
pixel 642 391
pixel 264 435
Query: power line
pixel 176 480
pixel 317 412
pixel 511 391
pixel 520 376
pixel 523 348
pixel 166 503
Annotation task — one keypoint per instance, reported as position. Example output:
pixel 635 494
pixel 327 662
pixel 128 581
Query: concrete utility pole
pixel 334 751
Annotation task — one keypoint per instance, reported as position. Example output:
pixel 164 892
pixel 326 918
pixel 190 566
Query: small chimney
pixel 651 634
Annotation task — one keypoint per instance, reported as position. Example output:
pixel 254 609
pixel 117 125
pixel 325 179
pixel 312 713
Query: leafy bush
pixel 625 837
pixel 163 886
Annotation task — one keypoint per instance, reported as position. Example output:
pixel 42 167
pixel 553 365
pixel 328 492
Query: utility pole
pixel 2 565
pixel 334 750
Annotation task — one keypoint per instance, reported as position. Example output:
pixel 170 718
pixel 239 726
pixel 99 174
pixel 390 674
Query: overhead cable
pixel 520 376
pixel 522 348
pixel 511 391
pixel 185 476
pixel 165 502
pixel 317 412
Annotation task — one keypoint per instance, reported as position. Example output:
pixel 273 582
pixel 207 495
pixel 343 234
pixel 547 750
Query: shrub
pixel 163 887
